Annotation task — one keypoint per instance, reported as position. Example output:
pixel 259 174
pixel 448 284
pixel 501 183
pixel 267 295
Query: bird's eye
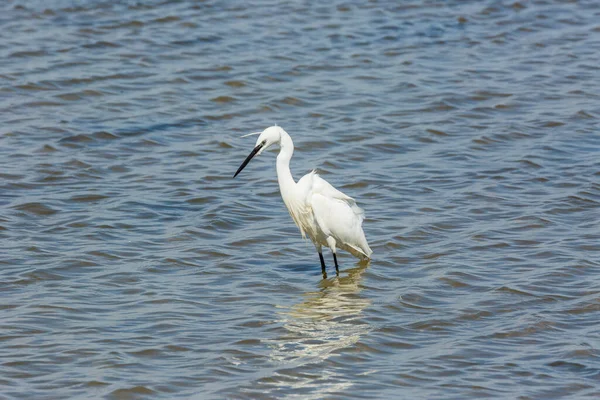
pixel 264 142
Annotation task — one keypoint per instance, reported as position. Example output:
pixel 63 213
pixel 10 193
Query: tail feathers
pixel 362 253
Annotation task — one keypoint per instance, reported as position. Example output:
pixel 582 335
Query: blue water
pixel 134 266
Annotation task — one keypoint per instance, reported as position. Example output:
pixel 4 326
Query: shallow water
pixel 134 266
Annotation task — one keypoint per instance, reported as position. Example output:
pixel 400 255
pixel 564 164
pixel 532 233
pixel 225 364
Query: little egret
pixel 326 215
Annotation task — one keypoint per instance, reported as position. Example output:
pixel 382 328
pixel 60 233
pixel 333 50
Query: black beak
pixel 247 160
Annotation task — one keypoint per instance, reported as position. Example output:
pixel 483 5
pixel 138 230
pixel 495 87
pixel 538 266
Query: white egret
pixel 324 214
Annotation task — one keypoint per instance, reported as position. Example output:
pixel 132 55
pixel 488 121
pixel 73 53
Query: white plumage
pixel 321 212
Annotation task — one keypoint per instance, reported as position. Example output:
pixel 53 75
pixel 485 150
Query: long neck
pixel 284 176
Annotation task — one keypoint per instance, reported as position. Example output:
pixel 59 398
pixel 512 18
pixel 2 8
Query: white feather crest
pixel 250 134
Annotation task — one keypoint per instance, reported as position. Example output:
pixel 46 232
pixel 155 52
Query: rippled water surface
pixel 134 266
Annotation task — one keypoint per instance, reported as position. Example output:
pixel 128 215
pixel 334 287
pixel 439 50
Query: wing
pixel 337 215
pixel 322 187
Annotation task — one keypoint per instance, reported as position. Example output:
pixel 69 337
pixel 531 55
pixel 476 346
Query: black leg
pixel 323 266
pixel 336 264
pixel 322 260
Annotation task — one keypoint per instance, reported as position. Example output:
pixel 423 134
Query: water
pixel 134 266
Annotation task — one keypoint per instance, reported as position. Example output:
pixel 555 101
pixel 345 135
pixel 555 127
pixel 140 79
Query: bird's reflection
pixel 326 321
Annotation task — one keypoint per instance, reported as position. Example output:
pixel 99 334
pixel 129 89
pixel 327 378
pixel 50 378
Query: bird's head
pixel 266 138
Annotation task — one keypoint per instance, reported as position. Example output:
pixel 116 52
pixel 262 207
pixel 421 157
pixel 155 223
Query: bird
pixel 327 216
